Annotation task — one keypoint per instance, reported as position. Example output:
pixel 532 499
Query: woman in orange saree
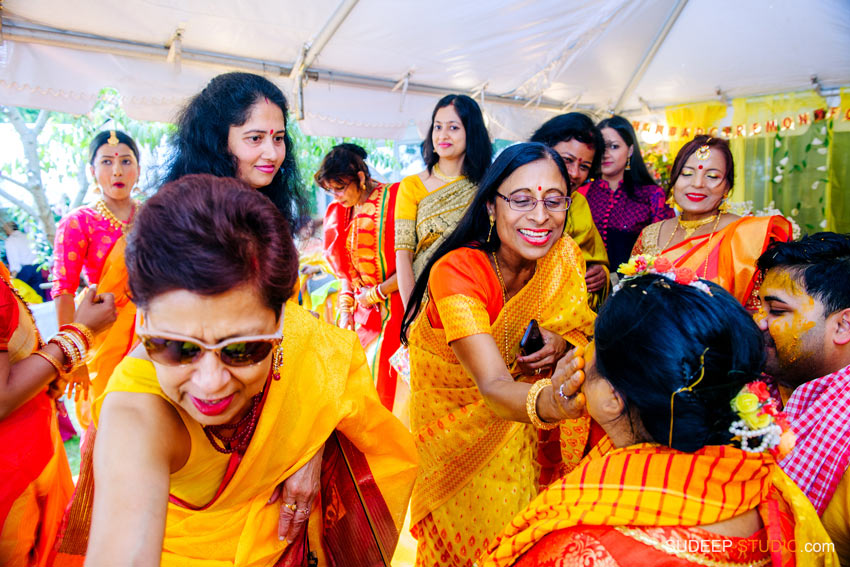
pixel 475 414
pixel 36 483
pixel 360 246
pixel 688 474
pixel 712 243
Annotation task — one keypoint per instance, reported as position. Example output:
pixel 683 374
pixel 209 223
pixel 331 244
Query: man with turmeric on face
pixel 805 317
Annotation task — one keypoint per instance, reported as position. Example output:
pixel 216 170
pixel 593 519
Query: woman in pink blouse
pixel 85 237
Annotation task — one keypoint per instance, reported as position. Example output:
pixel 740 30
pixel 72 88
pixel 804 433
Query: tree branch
pixel 41 121
pixel 20 204
pixel 15 181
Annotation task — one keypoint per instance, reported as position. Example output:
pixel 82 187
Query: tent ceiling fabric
pixel 550 52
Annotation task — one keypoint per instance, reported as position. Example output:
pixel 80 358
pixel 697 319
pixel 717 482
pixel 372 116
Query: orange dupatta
pixel 728 257
pixel 649 485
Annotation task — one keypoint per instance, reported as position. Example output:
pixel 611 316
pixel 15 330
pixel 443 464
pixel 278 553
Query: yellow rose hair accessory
pixel 761 419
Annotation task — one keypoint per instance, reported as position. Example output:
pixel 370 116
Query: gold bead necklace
pixel 114 221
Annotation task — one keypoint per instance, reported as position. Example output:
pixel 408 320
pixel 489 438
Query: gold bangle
pixel 83 330
pixel 80 346
pixel 531 405
pixel 52 360
pixel 67 350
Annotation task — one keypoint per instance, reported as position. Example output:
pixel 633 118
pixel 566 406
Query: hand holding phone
pixel 532 339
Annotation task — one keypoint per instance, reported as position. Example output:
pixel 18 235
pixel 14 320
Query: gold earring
pixel 723 208
pixel 96 189
pixel 490 233
pixel 673 204
pixel 277 361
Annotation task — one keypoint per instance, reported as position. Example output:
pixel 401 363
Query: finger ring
pixel 305 510
pixel 561 392
pixel 293 506
pixel 537 371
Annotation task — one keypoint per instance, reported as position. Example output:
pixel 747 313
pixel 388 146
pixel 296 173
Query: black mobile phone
pixel 532 339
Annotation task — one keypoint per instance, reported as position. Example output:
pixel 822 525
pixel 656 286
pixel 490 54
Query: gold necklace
pixel 716 219
pixel 504 300
pixel 691 226
pixel 442 176
pixel 114 221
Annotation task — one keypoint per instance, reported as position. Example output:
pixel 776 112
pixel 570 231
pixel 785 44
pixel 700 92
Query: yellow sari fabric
pixel 423 219
pixel 325 385
pixel 580 227
pixel 476 469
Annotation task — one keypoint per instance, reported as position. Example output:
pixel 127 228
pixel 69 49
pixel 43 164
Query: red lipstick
pixel 212 407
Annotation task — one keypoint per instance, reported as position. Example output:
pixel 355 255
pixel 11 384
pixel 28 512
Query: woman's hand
pixel 565 400
pixel 595 277
pixel 544 360
pixel 297 494
pixel 97 312
pixel 346 320
pixel 361 296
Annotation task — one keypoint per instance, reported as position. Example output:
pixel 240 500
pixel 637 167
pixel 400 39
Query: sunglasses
pixel 180 350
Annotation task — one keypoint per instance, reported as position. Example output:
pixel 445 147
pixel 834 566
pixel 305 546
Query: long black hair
pixel 479 150
pixel 200 143
pixel 638 174
pixel 474 227
pixel 655 337
pixel 572 126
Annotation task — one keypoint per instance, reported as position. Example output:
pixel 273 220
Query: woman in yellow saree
pixel 688 474
pixel 36 480
pixel 712 243
pixel 230 393
pixel 457 152
pixel 474 414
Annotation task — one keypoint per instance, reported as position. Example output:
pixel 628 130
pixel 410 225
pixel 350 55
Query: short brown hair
pixel 208 235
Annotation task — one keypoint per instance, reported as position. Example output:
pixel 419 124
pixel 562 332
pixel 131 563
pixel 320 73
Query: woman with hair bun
pixel 457 152
pixel 360 246
pixel 231 391
pixel 688 474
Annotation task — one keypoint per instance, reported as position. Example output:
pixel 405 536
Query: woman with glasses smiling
pixel 360 246
pixel 229 393
pixel 716 245
pixel 476 402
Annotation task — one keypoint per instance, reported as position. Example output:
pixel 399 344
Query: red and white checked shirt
pixel 819 412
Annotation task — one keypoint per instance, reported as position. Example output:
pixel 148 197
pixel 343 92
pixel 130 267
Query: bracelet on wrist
pixel 531 405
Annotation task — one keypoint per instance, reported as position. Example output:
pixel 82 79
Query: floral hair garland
pixel 761 419
pixel 646 264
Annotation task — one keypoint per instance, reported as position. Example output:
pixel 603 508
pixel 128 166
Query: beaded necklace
pixel 243 430
pixel 114 221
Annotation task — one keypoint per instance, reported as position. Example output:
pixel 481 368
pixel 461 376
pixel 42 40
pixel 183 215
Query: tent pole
pixel 650 54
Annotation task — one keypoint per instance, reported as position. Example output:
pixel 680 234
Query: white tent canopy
pixel 375 68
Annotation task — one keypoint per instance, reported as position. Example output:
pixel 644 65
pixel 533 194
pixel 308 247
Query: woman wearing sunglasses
pixel 229 393
pixel 476 406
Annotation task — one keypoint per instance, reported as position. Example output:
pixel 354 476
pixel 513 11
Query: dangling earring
pixel 629 164
pixel 671 202
pixel 277 361
pixel 96 189
pixel 490 233
pixel 723 208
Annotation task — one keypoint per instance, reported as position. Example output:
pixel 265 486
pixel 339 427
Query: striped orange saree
pixel 636 489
